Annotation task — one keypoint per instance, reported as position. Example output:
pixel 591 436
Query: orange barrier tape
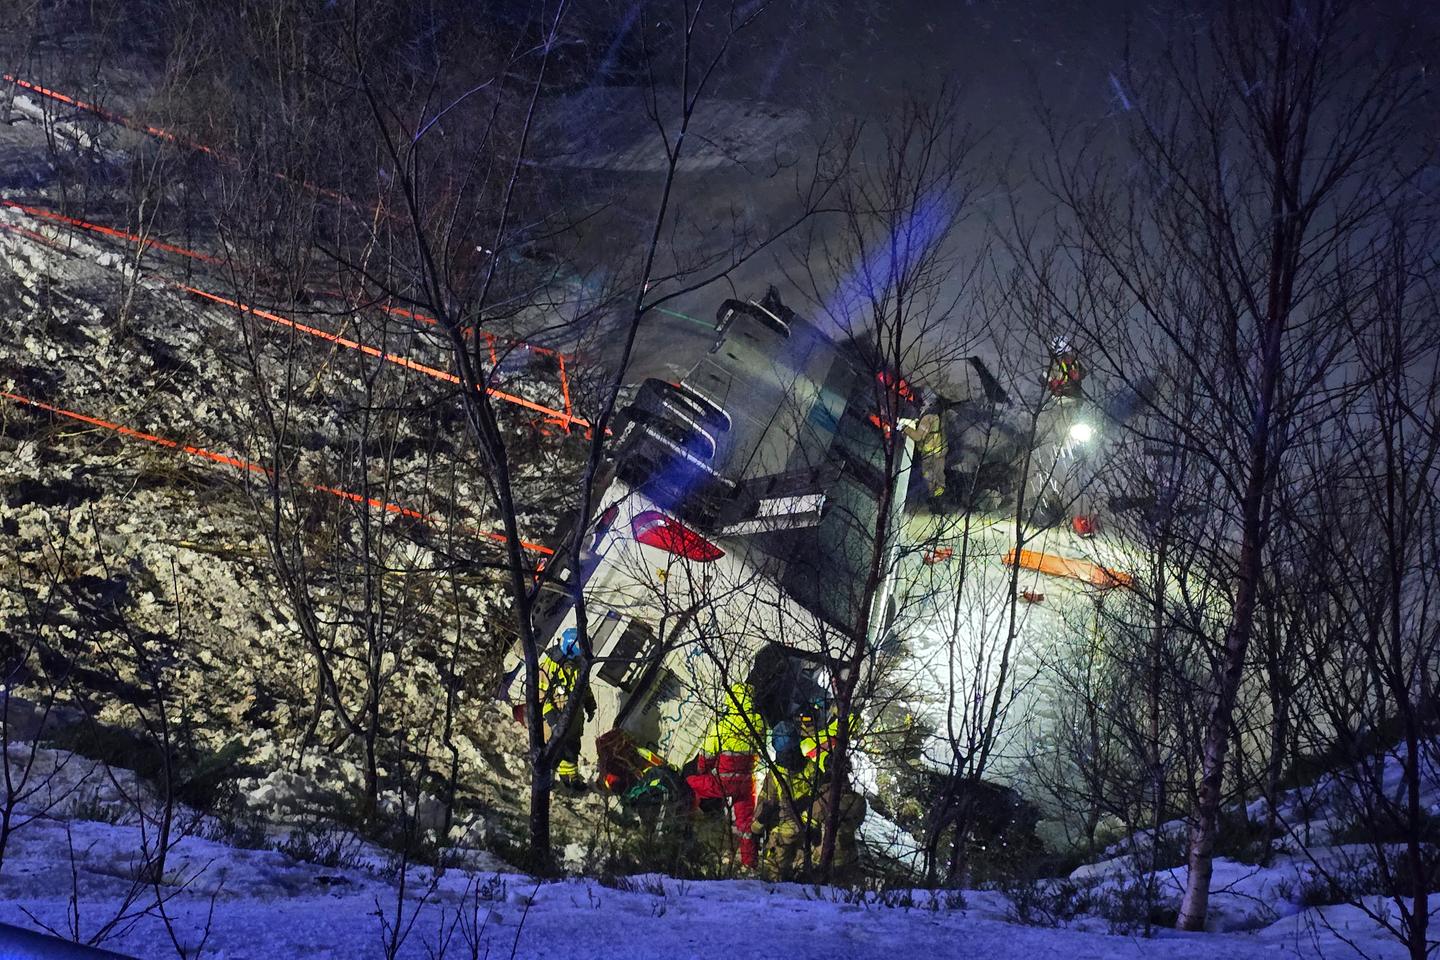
pixel 565 387
pixel 161 133
pixel 490 338
pixel 249 466
pixel 567 415
pixel 379 354
pixel 565 418
pixel 1055 566
pixel 106 115
pixel 40 213
pixel 43 214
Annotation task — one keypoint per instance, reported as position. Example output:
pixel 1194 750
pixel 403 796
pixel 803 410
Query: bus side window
pixel 626 661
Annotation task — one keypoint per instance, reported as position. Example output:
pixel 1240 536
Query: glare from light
pixel 1082 432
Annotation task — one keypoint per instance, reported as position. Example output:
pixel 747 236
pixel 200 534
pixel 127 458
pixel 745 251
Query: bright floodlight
pixel 1082 432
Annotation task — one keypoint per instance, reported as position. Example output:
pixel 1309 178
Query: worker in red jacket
pixel 1066 376
pixel 725 766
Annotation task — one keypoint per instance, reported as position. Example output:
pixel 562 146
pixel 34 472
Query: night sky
pixel 860 55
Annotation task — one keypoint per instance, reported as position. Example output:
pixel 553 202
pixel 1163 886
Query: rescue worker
pixel 845 864
pixel 820 739
pixel 794 804
pixel 559 675
pixel 929 437
pixel 725 766
pixel 785 796
pixel 819 750
pixel 1066 374
pixel 781 818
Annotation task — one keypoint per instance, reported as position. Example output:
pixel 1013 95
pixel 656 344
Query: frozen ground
pixel 79 876
pixel 267 905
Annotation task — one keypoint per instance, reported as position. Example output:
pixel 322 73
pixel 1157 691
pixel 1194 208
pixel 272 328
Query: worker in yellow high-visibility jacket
pixel 725 766
pixel 559 676
pixel 822 768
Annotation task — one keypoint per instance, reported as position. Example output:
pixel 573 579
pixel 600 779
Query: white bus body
pixel 734 519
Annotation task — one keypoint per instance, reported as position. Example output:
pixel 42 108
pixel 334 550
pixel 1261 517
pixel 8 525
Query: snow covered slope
pixel 78 878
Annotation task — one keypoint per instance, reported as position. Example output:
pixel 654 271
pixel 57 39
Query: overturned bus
pixel 734 532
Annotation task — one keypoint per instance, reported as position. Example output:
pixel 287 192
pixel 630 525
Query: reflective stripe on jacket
pixel 559 676
pixel 785 795
pixel 737 727
pixel 932 437
pixel 734 771
pixel 818 746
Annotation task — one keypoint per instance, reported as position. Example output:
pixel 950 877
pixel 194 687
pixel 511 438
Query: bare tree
pixel 437 279
pixel 885 278
pixel 32 788
pixel 1373 530
pixel 1260 148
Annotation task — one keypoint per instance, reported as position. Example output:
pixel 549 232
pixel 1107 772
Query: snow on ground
pixel 1307 859
pixel 66 873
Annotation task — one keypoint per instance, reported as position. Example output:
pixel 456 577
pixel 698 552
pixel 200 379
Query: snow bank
pixel 81 878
